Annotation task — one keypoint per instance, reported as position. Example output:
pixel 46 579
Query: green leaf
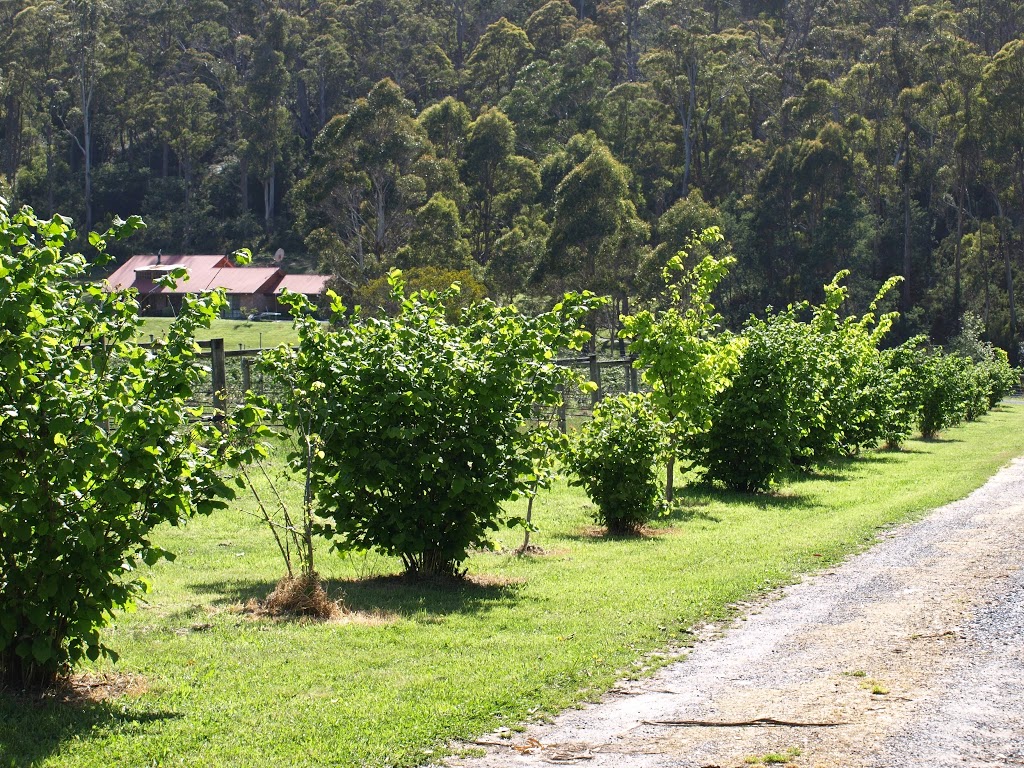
pixel 42 651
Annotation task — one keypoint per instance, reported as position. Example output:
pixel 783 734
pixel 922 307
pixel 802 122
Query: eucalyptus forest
pixel 534 147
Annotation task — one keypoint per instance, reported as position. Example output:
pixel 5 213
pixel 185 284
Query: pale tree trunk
pixel 688 114
pixel 1005 247
pixel 243 182
pixel 958 252
pixel 670 483
pixel 268 199
pixel 85 91
pixel 907 301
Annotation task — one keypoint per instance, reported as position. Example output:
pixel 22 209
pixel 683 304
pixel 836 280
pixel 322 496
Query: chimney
pixel 158 255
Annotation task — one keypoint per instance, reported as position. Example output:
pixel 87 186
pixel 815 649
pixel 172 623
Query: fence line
pixel 231 375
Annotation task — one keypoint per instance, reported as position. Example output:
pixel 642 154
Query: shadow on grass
pixel 703 494
pixel 687 509
pixel 34 728
pixel 841 469
pixel 397 594
pixel 598 534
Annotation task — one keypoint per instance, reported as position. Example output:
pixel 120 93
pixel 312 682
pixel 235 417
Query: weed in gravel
pixel 773 758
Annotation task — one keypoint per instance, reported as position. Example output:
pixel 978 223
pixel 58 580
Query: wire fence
pixel 233 372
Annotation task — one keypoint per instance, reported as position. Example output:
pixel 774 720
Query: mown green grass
pixel 251 335
pixel 525 636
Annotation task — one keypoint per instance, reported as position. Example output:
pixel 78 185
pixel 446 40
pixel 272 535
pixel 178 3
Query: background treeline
pixel 544 146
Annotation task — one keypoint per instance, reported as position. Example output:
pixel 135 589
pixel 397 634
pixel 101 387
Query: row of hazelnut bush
pixel 794 390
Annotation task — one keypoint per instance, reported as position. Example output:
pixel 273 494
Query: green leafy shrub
pixel 614 458
pixel 977 388
pixel 1003 378
pixel 804 393
pixel 993 372
pixel 944 392
pixel 419 426
pixel 377 297
pixel 760 418
pixel 97 446
pixel 684 356
pixel 901 411
pixel 850 382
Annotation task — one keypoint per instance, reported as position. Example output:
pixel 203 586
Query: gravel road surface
pixel 910 654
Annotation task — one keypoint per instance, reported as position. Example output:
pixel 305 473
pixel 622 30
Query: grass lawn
pixel 523 637
pixel 234 332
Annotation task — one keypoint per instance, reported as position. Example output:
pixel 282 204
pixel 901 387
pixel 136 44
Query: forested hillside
pixel 543 145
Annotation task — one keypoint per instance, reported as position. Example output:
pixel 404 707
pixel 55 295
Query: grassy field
pixel 251 335
pixel 419 664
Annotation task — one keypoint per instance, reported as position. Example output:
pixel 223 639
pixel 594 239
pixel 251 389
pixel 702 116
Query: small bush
pixel 902 397
pixel 947 386
pixel 614 457
pixel 850 384
pixel 97 447
pixel 805 393
pixel 418 428
pixel 684 356
pixel 759 420
pixel 1003 379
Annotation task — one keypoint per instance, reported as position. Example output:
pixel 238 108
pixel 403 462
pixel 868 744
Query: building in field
pixel 250 290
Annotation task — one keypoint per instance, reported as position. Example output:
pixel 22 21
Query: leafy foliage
pixel 97 445
pixel 946 391
pixel 902 409
pixel 419 425
pixel 761 417
pixel 820 137
pixel 849 379
pixel 805 392
pixel 683 359
pixel 614 457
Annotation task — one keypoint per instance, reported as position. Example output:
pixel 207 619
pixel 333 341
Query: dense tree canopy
pixel 875 136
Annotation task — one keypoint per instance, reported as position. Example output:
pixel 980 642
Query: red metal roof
pixel 247 280
pixel 311 285
pixel 206 273
pixel 137 273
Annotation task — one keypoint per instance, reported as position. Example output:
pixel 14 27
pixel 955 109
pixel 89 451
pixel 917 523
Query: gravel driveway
pixel 911 654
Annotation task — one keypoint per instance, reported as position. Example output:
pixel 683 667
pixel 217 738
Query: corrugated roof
pixel 201 271
pixel 246 280
pixel 311 285
pixel 206 273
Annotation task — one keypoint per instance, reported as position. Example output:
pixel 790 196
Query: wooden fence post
pixel 595 376
pixel 561 412
pixel 246 374
pixel 218 370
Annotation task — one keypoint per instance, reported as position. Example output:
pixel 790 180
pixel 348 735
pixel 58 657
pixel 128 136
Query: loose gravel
pixel 910 654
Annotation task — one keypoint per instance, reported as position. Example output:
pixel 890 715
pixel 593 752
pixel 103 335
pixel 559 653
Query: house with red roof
pixel 248 289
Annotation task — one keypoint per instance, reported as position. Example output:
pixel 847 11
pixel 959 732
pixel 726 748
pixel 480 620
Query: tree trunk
pixel 958 251
pixel 689 112
pixel 243 183
pixel 86 94
pixel 906 295
pixel 268 200
pixel 670 467
pixel 1007 249
pixel 625 313
pixel 49 168
pixel 305 117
